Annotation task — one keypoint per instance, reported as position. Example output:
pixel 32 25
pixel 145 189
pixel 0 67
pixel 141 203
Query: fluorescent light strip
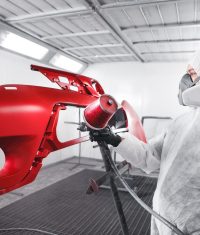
pixel 66 63
pixel 23 46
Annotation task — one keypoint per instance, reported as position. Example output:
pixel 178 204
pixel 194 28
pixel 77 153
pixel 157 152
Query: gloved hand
pixel 105 135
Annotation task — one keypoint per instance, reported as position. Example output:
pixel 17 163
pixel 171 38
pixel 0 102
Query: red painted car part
pixel 133 122
pixel 84 85
pixel 28 120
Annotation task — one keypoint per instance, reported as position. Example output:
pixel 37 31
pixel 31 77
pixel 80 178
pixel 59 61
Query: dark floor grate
pixel 64 208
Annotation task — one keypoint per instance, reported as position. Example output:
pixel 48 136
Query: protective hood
pixel 191 96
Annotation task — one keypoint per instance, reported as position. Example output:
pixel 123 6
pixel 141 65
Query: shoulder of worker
pixel 177 124
pixel 188 114
pixel 183 119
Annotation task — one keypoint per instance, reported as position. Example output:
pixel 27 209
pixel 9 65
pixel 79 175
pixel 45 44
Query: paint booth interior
pixel 56 176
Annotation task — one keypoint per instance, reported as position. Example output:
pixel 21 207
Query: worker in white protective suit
pixel 176 153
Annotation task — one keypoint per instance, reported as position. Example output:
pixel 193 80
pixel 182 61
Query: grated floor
pixel 49 175
pixel 64 208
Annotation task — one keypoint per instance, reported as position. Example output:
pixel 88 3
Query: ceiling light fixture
pixel 66 63
pixel 23 46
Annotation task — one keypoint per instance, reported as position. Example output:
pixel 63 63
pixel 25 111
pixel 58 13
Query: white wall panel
pixel 151 88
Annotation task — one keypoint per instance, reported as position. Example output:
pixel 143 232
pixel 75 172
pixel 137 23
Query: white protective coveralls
pixel 176 153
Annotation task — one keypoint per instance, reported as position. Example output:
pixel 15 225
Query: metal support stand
pixel 115 158
pixel 104 148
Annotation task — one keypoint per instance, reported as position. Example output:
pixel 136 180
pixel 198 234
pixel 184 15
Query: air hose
pixel 134 195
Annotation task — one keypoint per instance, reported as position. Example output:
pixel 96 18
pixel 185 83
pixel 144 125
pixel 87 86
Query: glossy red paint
pixel 28 120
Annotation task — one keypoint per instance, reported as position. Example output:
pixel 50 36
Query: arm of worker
pixel 139 154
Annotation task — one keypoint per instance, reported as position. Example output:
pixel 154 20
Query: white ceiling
pixel 110 30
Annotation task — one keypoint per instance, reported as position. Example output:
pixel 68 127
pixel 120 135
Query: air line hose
pixel 134 195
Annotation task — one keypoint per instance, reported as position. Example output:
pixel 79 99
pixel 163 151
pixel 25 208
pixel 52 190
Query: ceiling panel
pixel 161 34
pixel 191 32
pixel 197 10
pixel 6 12
pixel 110 30
pixel 56 24
pixel 134 14
pixel 13 8
pixel 151 15
pixel 59 4
pixel 186 7
pixel 61 43
pixel 165 9
pixel 75 3
pixel 110 59
pixel 42 5
pixel 32 29
pixel 175 33
pixel 145 35
pixel 27 7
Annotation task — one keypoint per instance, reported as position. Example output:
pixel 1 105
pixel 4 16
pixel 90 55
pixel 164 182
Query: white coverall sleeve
pixel 141 155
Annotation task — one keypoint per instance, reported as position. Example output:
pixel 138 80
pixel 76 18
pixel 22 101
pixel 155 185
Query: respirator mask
pixel 189 91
